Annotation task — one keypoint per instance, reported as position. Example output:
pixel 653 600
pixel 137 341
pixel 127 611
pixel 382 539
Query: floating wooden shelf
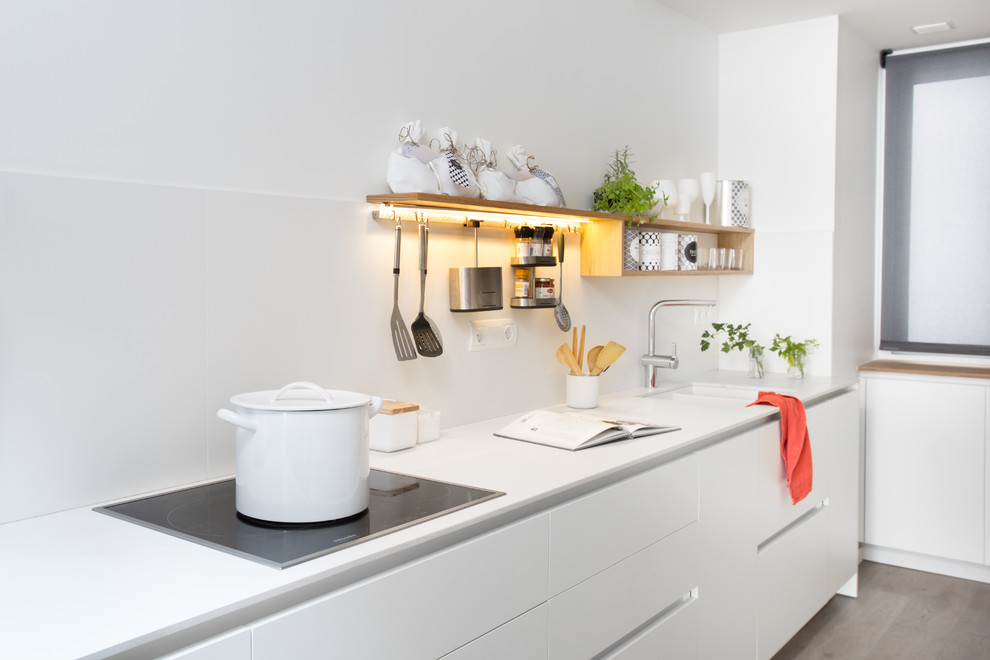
pixel 601 252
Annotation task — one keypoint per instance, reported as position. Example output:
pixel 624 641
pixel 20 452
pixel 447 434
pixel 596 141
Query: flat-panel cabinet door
pixel 793 581
pixel 603 610
pixel 423 609
pixel 673 637
pixel 925 467
pixel 843 488
pixel 775 508
pixel 590 533
pixel 523 638
pixel 727 552
pixel 235 645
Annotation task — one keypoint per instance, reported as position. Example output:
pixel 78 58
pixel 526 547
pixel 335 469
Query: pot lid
pixel 300 396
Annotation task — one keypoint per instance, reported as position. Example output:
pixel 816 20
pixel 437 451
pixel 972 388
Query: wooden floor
pixel 901 614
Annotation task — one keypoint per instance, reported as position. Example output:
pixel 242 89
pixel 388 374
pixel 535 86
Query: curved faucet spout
pixel 651 360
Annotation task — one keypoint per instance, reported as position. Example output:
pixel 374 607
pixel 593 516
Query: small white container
pixel 429 425
pixel 582 391
pixel 394 427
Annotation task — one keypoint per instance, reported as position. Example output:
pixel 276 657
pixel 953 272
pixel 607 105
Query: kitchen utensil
pixel 608 355
pixel 401 339
pixel 560 312
pixel 302 453
pixel 580 353
pixel 593 356
pixel 475 289
pixel 423 329
pixel 566 358
pixel 574 343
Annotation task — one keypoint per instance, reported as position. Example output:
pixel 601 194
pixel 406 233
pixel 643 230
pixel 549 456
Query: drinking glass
pixel 707 192
pixel 687 192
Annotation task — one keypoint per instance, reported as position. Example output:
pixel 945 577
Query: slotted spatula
pixel 401 339
pixel 427 340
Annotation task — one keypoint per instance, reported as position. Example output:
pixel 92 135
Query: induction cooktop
pixel 207 515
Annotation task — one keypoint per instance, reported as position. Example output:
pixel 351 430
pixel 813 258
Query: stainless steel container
pixel 476 289
pixel 731 205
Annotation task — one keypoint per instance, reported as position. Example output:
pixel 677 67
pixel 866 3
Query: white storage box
pixel 429 425
pixel 394 427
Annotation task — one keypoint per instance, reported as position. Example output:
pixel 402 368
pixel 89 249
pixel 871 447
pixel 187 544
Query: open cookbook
pixel 573 431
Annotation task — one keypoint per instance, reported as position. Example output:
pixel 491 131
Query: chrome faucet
pixel 651 359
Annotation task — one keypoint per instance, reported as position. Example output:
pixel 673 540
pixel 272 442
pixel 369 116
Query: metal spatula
pixel 560 314
pixel 424 332
pixel 401 339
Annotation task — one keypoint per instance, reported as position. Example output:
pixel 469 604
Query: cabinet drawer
pixel 774 508
pixel 234 645
pixel 589 534
pixel 793 580
pixel 523 638
pixel 599 612
pixel 672 637
pixel 423 609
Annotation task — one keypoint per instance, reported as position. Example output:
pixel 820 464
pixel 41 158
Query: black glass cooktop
pixel 207 515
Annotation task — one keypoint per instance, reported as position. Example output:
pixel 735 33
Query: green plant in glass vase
pixel 795 352
pixel 736 338
pixel 622 193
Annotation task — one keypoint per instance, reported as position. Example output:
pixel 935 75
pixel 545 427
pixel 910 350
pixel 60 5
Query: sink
pixel 702 393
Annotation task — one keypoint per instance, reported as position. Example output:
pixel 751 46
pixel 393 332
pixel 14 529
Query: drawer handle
pixel 667 613
pixel 807 515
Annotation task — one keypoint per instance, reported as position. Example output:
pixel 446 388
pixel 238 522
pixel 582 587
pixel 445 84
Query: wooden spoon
pixel 607 357
pixel 566 358
pixel 593 357
pixel 580 354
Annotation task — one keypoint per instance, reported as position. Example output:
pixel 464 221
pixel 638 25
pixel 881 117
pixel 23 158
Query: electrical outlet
pixel 489 335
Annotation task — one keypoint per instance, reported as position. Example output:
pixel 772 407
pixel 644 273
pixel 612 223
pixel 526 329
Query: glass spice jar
pixel 544 288
pixel 523 283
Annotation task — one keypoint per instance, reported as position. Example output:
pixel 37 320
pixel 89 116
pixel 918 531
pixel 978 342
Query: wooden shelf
pixel 601 252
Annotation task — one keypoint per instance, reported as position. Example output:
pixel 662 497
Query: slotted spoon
pixel 401 339
pixel 560 312
pixel 423 330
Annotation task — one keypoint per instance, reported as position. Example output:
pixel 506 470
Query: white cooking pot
pixel 302 453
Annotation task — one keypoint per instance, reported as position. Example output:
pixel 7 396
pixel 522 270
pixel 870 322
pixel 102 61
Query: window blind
pixel 935 277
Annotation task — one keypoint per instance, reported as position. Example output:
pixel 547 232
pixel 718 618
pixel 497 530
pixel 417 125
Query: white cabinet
pixel 610 606
pixel 775 509
pixel 925 467
pixel 674 635
pixel 234 645
pixel 793 580
pixel 523 638
pixel 624 563
pixel 727 552
pixel 808 550
pixel 593 532
pixel 423 609
pixel 844 431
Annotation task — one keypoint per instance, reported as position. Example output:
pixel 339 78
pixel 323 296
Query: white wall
pixel 182 214
pixel 853 255
pixel 801 133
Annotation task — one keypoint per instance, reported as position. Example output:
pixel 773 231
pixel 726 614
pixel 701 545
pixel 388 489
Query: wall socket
pixel 489 335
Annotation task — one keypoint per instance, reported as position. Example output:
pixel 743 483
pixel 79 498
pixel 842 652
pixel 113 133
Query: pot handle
pixel 237 420
pixel 303 385
pixel 376 405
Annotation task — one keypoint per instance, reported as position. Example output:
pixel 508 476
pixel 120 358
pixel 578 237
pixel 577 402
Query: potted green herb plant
pixel 795 352
pixel 622 193
pixel 736 338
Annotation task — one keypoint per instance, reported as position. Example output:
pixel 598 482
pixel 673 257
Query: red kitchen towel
pixel 795 444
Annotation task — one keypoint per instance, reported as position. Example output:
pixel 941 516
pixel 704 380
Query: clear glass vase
pixel 795 368
pixel 755 362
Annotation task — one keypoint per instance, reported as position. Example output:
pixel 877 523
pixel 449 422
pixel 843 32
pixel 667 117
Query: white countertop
pixel 78 583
